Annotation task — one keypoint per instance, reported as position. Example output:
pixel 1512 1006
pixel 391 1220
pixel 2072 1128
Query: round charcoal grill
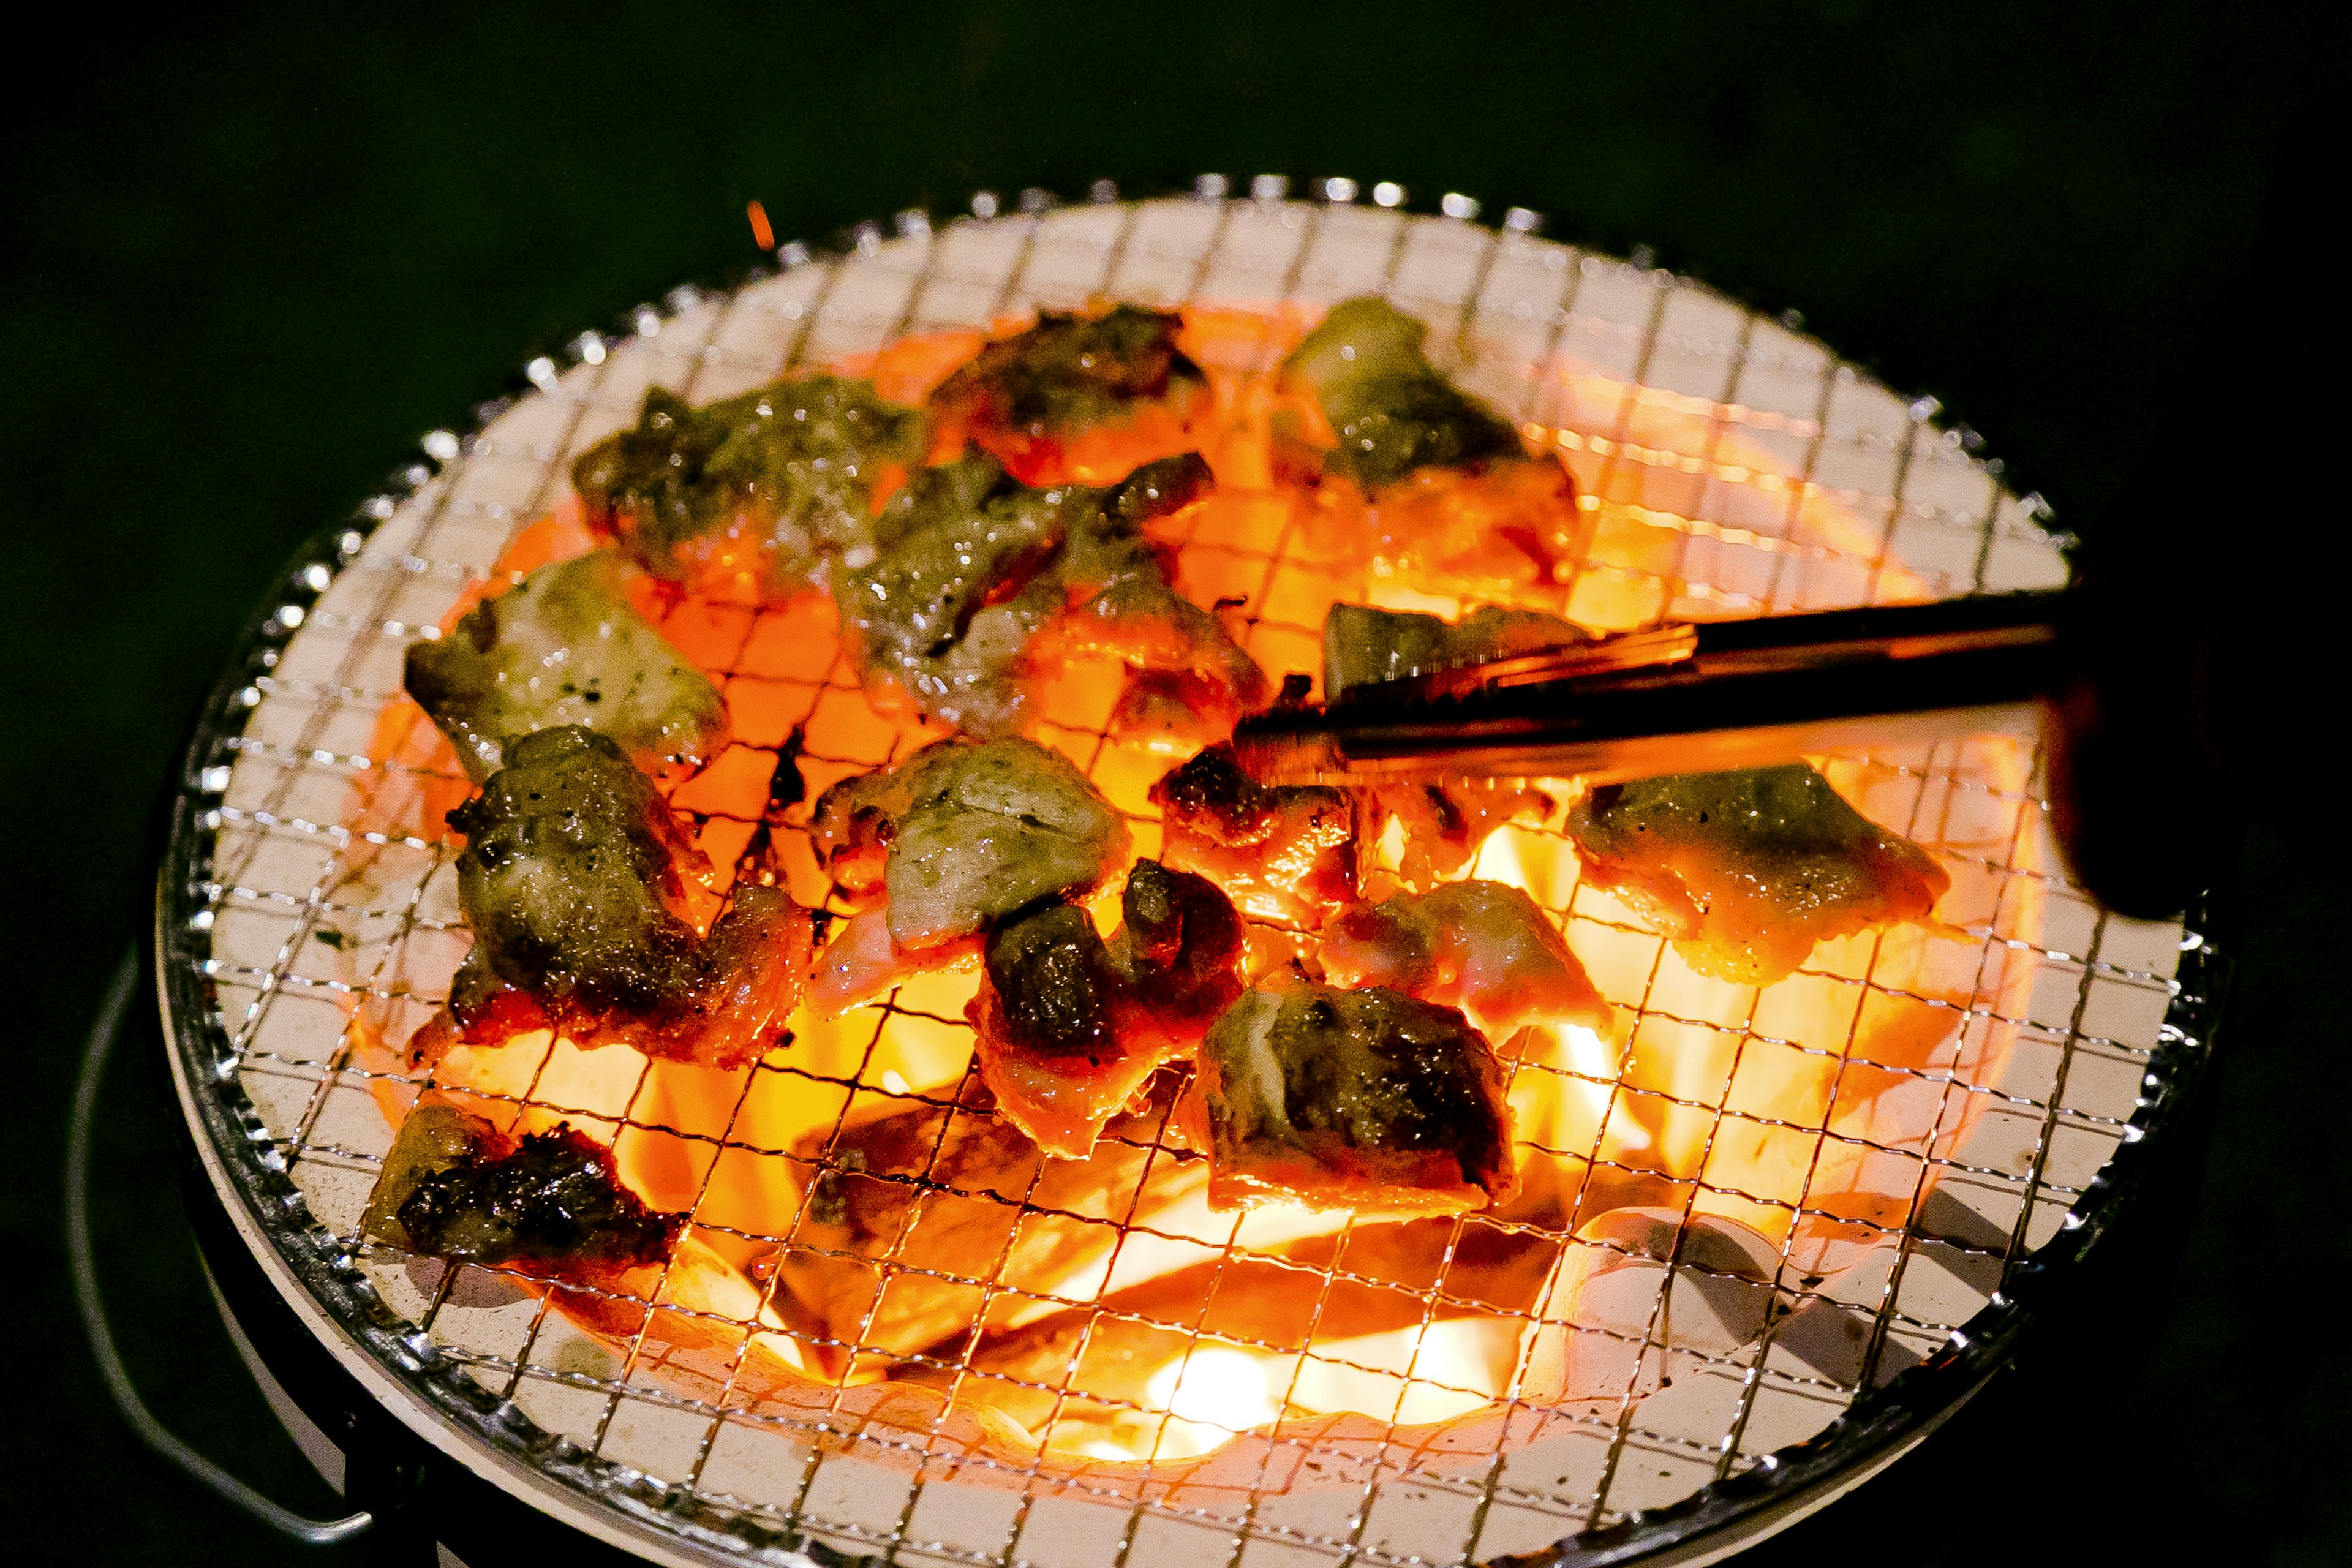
pixel 1736 468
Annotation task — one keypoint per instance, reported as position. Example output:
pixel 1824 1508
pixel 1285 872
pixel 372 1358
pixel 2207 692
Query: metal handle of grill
pixel 152 1432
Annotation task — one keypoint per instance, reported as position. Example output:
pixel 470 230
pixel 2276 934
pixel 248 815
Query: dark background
pixel 248 257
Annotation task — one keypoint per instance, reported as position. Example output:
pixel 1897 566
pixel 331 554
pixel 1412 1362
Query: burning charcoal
pixel 1645 1295
pixel 766 485
pixel 1286 853
pixel 1367 646
pixel 1357 1100
pixel 1070 1027
pixel 1746 870
pixel 918 1206
pixel 570 880
pixel 563 647
pixel 454 1186
pixel 1089 1370
pixel 1082 398
pixel 1483 947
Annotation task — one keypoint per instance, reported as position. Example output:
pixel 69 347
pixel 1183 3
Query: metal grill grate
pixel 1744 470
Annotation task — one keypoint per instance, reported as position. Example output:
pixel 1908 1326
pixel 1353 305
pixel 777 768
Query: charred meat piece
pixel 571 879
pixel 1430 479
pixel 1049 1042
pixel 1746 870
pixel 1483 947
pixel 980 581
pixel 550 1203
pixel 852 825
pixel 1070 1026
pixel 1283 853
pixel 1352 1099
pixel 916 1209
pixel 563 647
pixel 861 963
pixel 1446 824
pixel 1180 952
pixel 1390 407
pixel 1075 395
pixel 774 482
pixel 989 829
pixel 1188 680
pixel 954 836
pixel 945 611
pixel 1363 646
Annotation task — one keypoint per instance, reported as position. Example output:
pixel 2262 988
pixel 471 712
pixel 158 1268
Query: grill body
pixel 464 1404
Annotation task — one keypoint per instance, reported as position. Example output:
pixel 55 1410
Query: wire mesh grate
pixel 1740 469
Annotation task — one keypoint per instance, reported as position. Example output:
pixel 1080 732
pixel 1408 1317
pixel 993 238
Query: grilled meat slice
pixel 1070 1027
pixel 571 879
pixel 945 611
pixel 563 647
pixel 1180 952
pixel 768 484
pixel 1188 680
pixel 454 1186
pixel 980 582
pixel 990 828
pixel 1746 870
pixel 1483 947
pixel 1390 407
pixel 1283 853
pixel 1407 467
pixel 1078 398
pixel 1357 1100
pixel 1363 646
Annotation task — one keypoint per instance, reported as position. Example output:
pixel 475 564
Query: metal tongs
pixel 1684 698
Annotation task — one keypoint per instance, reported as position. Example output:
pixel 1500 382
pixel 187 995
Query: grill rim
pixel 458 1419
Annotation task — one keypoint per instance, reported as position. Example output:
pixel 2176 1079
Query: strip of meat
pixel 571 879
pixel 1483 947
pixel 980 583
pixel 763 486
pixel 1367 1100
pixel 1070 1027
pixel 564 646
pixel 454 1186
pixel 1746 870
pixel 1406 464
pixel 1077 398
pixel 1283 853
